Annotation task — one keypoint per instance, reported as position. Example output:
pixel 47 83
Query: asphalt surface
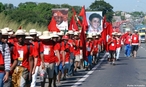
pixel 128 72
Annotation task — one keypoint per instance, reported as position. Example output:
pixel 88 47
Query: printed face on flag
pixel 61 18
pixel 94 21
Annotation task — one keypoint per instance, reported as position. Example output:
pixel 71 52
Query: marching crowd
pixel 53 55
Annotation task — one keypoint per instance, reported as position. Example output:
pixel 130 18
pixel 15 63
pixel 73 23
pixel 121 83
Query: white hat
pixel 70 32
pixel 119 34
pixel 46 35
pixel 4 32
pixel 98 33
pixel 26 33
pixel 89 36
pixel 39 33
pixel 54 34
pixel 20 32
pixel 76 33
pixel 94 34
pixel 61 33
pixel 135 30
pixel 28 37
pixel 11 32
pixel 32 31
pixel 8 29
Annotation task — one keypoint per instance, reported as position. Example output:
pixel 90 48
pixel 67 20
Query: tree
pixel 1 7
pixel 106 9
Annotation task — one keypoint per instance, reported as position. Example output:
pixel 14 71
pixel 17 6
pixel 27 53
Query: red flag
pixel 76 17
pixel 52 26
pixel 83 42
pixel 107 32
pixel 84 20
pixel 73 26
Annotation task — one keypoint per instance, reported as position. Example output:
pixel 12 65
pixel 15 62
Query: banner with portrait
pixel 61 17
pixel 94 19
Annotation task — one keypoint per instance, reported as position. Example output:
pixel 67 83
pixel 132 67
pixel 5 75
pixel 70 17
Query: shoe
pixel 78 67
pixel 117 59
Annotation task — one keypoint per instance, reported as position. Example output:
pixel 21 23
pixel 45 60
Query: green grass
pixel 5 22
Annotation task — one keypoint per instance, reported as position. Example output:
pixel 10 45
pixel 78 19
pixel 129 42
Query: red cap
pixel 65 37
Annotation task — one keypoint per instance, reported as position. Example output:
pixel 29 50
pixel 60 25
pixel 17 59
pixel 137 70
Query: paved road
pixel 127 72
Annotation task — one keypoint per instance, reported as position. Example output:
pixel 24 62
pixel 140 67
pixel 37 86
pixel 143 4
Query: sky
pixel 119 5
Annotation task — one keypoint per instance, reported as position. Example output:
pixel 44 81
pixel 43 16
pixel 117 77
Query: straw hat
pixel 94 34
pixel 54 34
pixel 39 33
pixel 89 36
pixel 8 29
pixel 61 33
pixel 20 32
pixel 76 33
pixel 26 33
pixel 32 32
pixel 45 35
pixel 11 33
pixel 28 37
pixel 98 33
pixel 4 32
pixel 119 34
pixel 135 30
pixel 70 32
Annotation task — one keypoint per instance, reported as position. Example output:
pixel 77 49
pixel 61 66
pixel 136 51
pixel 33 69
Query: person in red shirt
pixel 49 59
pixel 24 68
pixel 72 55
pixel 95 48
pixel 127 42
pixel 135 43
pixel 118 46
pixel 57 49
pixel 66 55
pixel 37 58
pixel 112 44
pixel 76 50
pixel 89 53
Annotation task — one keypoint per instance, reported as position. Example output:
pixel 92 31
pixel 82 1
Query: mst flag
pixel 75 14
pixel 84 20
pixel 52 26
pixel 83 42
pixel 73 26
pixel 107 32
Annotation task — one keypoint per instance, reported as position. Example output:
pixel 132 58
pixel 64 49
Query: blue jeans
pixel 1 79
pixel 71 69
pixel 127 50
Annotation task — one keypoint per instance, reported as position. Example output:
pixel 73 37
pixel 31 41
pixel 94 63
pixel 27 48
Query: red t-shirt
pixel 113 44
pixel 119 43
pixel 101 41
pixel 89 46
pixel 57 47
pixel 37 52
pixel 95 46
pixel 24 53
pixel 77 51
pixel 48 50
pixel 70 41
pixel 67 54
pixel 11 40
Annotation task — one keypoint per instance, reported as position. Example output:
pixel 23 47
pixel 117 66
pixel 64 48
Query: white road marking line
pixel 142 48
pixel 80 81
